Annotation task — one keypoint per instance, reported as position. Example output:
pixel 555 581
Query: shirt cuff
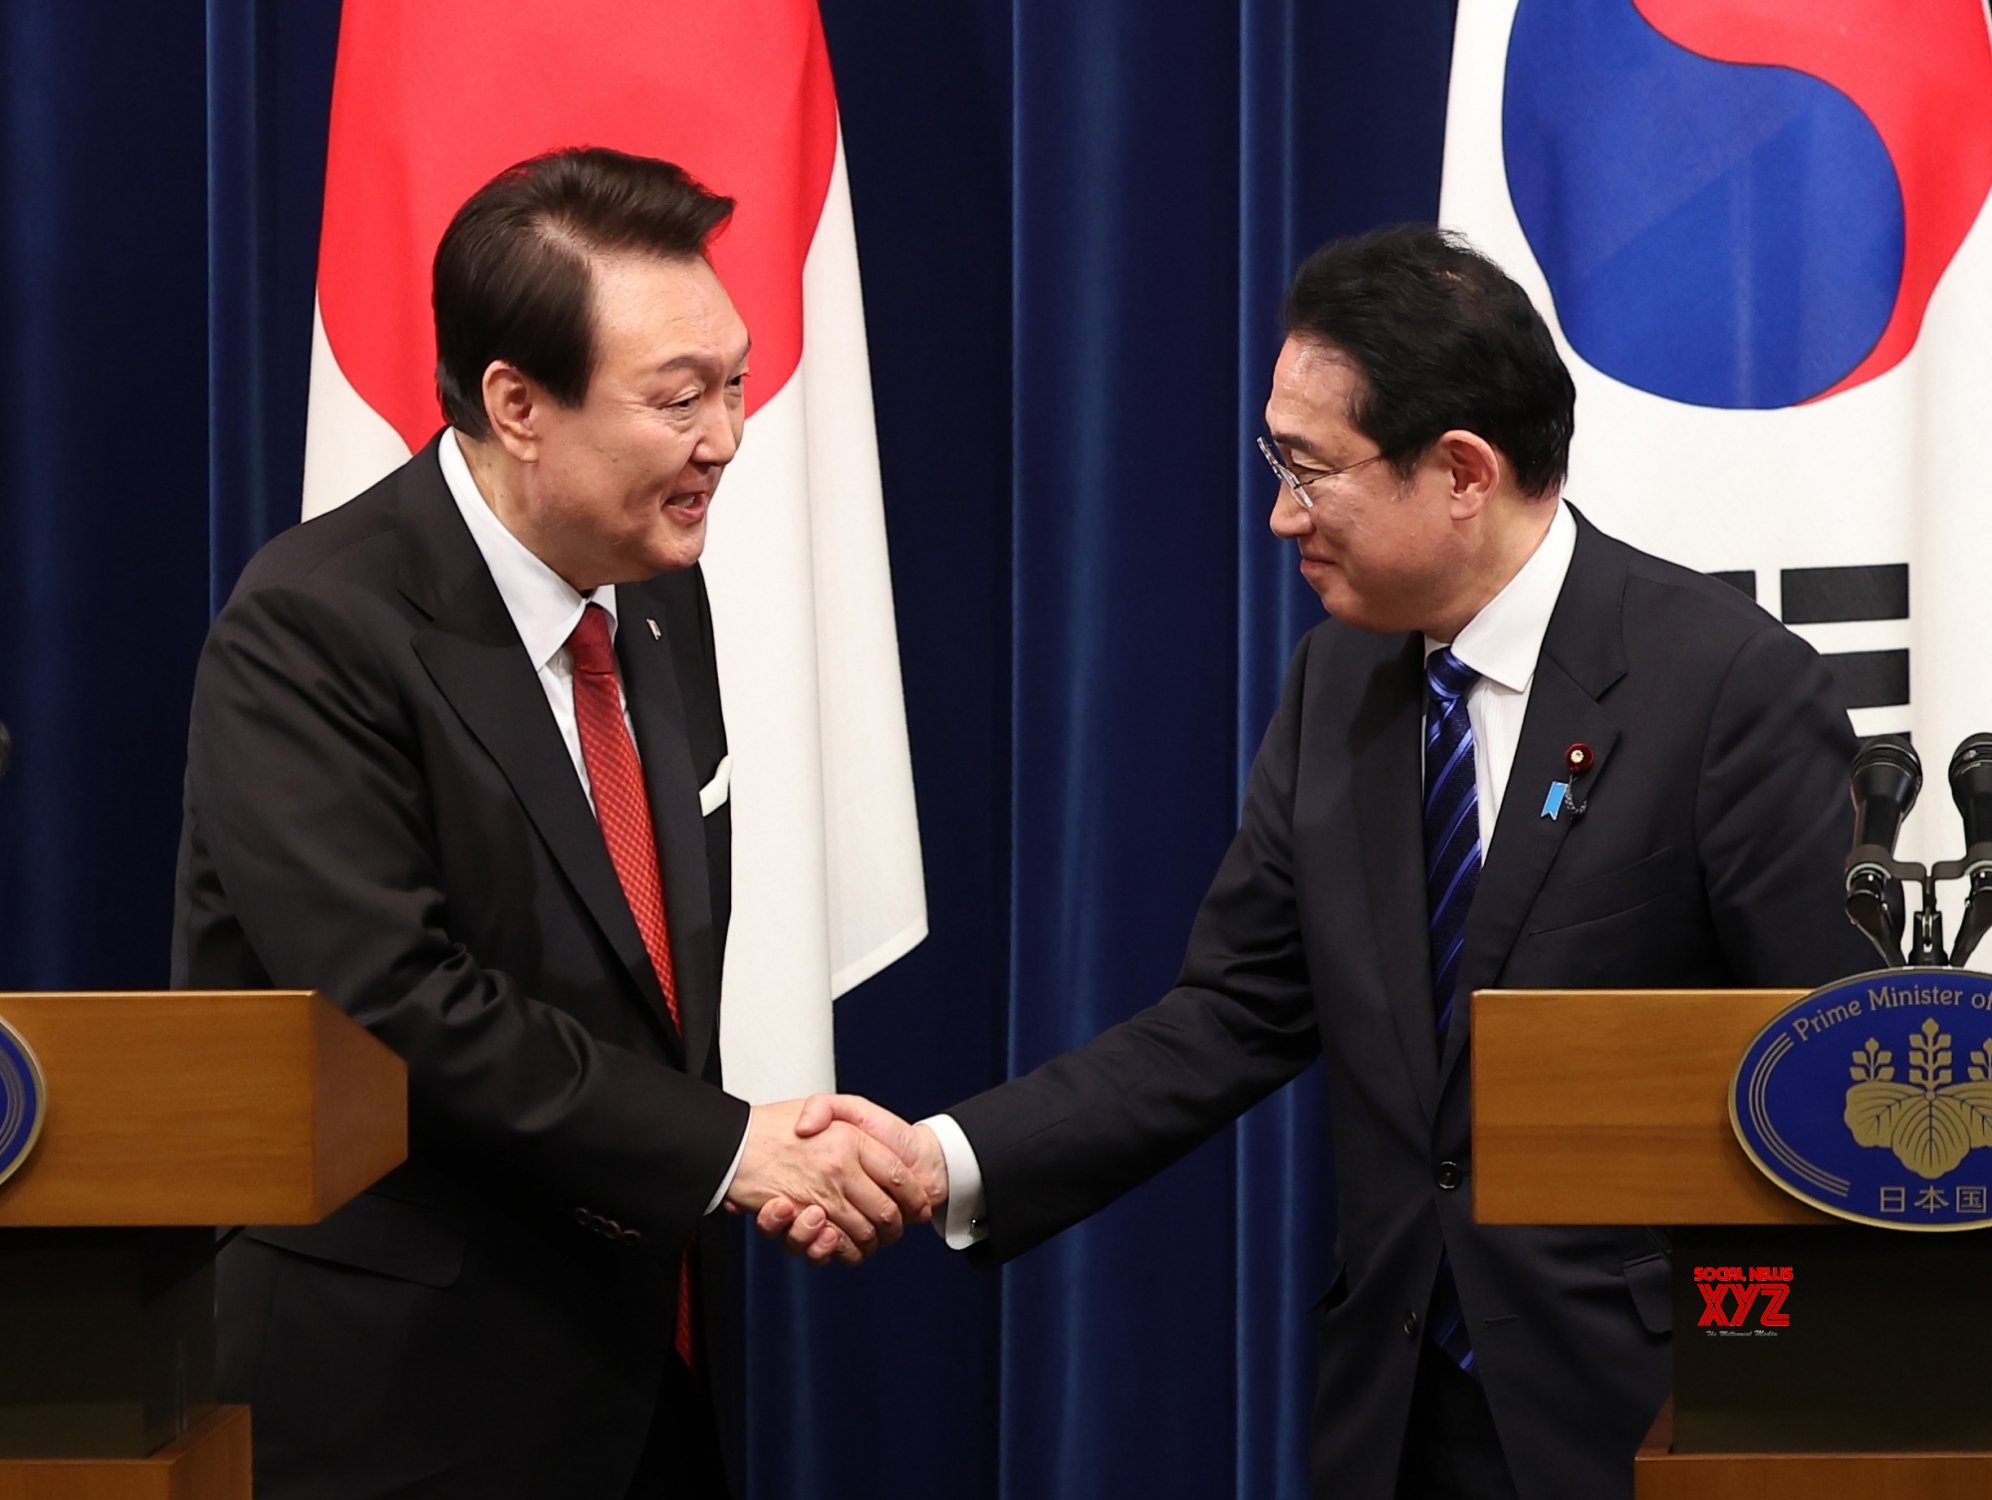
pixel 726 1182
pixel 961 1223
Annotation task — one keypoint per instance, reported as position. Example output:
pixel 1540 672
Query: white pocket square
pixel 713 794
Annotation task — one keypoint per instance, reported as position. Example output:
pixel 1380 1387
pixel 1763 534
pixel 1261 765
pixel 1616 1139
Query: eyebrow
pixel 700 361
pixel 1294 444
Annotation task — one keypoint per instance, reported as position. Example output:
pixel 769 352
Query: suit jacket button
pixel 1410 1325
pixel 1450 1175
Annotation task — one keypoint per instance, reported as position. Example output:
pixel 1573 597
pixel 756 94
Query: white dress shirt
pixel 544 608
pixel 1501 643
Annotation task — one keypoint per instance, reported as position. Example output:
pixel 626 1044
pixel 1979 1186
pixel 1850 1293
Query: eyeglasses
pixel 1295 485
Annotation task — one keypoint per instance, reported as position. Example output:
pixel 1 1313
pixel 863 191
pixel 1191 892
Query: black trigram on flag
pixel 1836 596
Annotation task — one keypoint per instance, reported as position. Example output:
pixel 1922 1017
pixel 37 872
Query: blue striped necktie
pixel 1452 874
pixel 1452 822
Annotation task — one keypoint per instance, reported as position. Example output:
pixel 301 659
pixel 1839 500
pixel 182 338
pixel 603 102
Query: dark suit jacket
pixel 1710 855
pixel 380 806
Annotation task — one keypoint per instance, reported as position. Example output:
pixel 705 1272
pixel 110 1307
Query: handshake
pixel 834 1176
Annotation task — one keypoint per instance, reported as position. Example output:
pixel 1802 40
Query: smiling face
pixel 1383 552
pixel 616 490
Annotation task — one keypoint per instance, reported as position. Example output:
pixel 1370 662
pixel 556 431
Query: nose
pixel 1289 521
pixel 719 434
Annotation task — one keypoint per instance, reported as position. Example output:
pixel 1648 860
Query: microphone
pixel 1885 780
pixel 6 749
pixel 1971 790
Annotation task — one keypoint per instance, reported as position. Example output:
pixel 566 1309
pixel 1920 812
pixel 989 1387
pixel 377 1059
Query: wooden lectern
pixel 168 1114
pixel 1612 1107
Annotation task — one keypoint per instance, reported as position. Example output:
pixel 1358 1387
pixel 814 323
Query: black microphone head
pixel 1886 777
pixel 1971 786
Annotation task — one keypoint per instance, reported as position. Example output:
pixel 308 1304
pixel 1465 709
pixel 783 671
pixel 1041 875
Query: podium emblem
pixel 1872 1099
pixel 23 1100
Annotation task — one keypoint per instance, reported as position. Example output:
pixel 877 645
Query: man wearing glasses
pixel 1520 754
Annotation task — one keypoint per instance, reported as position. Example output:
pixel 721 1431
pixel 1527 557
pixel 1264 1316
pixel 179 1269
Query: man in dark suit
pixel 1520 754
pixel 457 760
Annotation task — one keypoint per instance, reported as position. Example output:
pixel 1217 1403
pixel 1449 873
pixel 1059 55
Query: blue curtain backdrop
pixel 1075 223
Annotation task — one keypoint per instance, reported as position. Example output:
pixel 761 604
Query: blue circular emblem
pixel 1872 1099
pixel 23 1100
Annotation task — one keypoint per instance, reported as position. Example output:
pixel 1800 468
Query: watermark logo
pixel 1743 1301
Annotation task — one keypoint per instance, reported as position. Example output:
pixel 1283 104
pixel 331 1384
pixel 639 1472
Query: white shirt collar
pixel 1502 642
pixel 544 607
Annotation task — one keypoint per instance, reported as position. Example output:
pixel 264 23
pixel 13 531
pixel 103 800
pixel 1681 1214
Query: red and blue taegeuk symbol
pixel 1746 203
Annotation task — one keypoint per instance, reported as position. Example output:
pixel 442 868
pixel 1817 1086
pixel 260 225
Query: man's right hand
pixel 836 1190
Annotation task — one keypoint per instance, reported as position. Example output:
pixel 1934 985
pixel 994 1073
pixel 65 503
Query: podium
pixel 1612 1107
pixel 167 1114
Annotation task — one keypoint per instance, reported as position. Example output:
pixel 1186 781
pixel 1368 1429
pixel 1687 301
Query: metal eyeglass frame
pixel 1292 481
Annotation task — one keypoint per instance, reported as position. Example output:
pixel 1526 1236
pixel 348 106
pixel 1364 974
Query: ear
pixel 1473 471
pixel 512 403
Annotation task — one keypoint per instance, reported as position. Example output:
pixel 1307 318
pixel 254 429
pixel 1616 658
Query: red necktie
pixel 622 807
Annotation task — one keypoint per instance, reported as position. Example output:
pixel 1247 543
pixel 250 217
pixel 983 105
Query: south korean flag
pixel 1760 233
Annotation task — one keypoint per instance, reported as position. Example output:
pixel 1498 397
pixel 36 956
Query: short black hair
pixel 1441 338
pixel 512 277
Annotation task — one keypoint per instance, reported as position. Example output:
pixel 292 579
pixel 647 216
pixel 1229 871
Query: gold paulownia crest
pixel 1929 1122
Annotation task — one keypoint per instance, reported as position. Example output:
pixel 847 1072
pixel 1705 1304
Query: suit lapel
pixel 1388 789
pixel 1583 655
pixel 657 708
pixel 472 653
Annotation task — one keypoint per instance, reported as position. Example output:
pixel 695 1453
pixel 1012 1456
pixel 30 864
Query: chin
pixel 1345 606
pixel 679 550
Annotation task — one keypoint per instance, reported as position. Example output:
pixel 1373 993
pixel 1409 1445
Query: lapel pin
pixel 1576 761
pixel 655 633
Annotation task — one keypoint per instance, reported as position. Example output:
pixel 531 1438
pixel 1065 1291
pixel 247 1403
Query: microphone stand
pixel 1867 906
pixel 1926 949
